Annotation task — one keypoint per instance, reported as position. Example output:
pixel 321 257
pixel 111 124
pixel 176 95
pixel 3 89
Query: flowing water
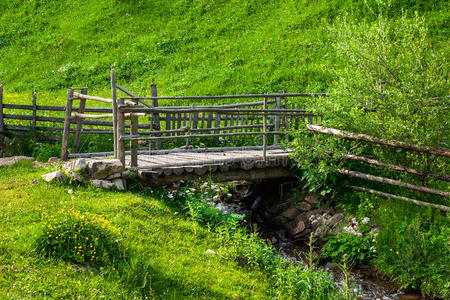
pixel 365 281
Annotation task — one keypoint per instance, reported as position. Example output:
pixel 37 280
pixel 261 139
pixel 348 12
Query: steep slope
pixel 184 46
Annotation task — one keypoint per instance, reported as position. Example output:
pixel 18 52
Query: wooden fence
pixel 154 124
pixel 383 180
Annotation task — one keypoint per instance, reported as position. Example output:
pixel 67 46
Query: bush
pixel 359 249
pixel 84 238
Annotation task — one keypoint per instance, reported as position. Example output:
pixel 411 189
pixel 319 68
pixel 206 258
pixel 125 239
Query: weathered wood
pixel 34 109
pixel 277 120
pixel 155 138
pixel 375 140
pixel 134 144
pixel 66 131
pixel 230 175
pixel 104 116
pixel 132 95
pixel 397 167
pixel 265 131
pixel 56 108
pixel 369 177
pixel 114 112
pixel 2 121
pixel 387 195
pixel 156 121
pixel 227 111
pixel 60 129
pixel 120 134
pixel 76 141
pixel 295 95
pixel 286 119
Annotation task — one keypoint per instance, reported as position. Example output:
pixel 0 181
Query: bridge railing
pixel 210 121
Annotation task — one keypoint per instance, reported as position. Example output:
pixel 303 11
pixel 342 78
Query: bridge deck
pixel 220 166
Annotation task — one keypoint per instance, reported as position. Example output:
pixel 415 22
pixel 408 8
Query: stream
pixel 365 281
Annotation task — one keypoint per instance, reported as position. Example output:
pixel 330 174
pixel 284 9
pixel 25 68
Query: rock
pixel 114 176
pixel 298 228
pixel 303 233
pixel 53 160
pixel 8 161
pixel 303 206
pixel 102 184
pixel 37 164
pixel 55 176
pixel 291 213
pixel 85 269
pixel 334 221
pixel 311 199
pixel 94 168
pixel 119 184
pixel 75 177
pixel 209 251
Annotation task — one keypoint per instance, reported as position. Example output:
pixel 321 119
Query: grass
pixel 168 260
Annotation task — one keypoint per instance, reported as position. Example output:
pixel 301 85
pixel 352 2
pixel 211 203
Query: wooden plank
pixel 277 120
pixel 114 112
pixel 134 144
pixel 417 202
pixel 286 120
pixel 264 131
pixel 375 140
pixel 120 133
pixel 369 177
pixel 76 141
pixel 156 120
pixel 66 131
pixel 2 121
pixel 34 109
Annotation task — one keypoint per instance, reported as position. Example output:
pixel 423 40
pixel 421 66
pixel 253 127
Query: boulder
pixel 95 168
pixel 56 176
pixel 102 183
pixel 53 160
pixel 303 206
pixel 311 199
pixel 291 213
pixel 119 184
pixel 8 161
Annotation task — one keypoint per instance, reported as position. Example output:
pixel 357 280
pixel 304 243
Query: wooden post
pixel 76 141
pixel 264 130
pixel 67 121
pixel 34 109
pixel 277 119
pixel 286 118
pixel 156 124
pixel 134 119
pixel 120 133
pixel 190 125
pixel 2 122
pixel 114 110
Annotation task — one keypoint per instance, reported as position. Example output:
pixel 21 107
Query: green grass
pixel 168 260
pixel 183 46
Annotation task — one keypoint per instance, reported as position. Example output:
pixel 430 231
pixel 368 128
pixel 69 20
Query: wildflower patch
pixel 84 238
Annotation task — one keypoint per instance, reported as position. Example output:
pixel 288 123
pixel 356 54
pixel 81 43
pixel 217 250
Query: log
pixel 295 95
pixel 56 108
pixel 265 131
pixel 99 99
pixel 375 140
pixel 34 109
pixel 131 94
pixel 2 122
pixel 417 202
pixel 76 141
pixel 66 130
pixel 120 134
pixel 155 138
pixel 114 111
pixel 369 177
pixel 397 167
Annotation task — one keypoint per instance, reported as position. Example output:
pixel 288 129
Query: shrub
pixel 84 238
pixel 358 249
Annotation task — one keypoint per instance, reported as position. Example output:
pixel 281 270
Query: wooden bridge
pixel 240 138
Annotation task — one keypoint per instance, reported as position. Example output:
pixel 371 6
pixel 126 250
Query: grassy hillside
pixel 168 257
pixel 183 46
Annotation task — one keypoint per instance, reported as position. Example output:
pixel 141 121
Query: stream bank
pixel 286 219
